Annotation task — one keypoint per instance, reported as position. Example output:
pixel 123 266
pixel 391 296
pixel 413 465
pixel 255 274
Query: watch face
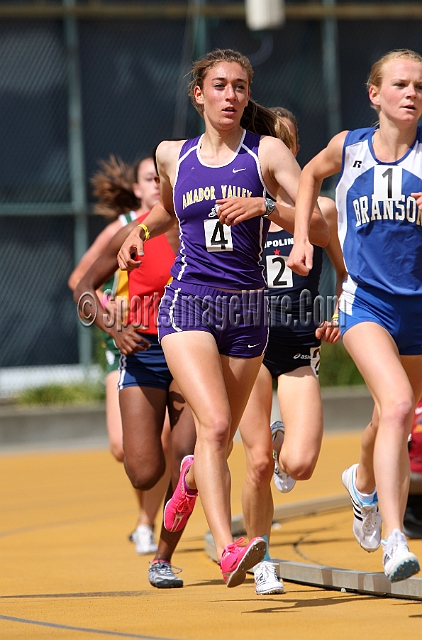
pixel 269 206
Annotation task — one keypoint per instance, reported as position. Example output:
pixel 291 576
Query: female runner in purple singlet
pixel 213 316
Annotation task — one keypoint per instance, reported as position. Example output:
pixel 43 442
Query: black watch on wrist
pixel 269 207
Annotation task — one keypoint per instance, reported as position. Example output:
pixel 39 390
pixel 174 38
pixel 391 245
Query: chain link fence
pixel 127 76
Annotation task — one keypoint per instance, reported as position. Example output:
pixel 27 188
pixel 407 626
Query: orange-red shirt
pixel 146 284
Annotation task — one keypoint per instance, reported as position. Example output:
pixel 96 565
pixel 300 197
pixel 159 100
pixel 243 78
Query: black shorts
pixel 281 357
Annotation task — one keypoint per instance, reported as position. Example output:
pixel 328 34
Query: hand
pixel 328 331
pixel 128 340
pixel 418 198
pixel 300 259
pixel 231 211
pixel 132 247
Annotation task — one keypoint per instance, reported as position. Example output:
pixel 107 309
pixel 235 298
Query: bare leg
pixel 377 358
pixel 183 437
pixel 153 498
pixel 115 435
pixel 113 418
pixel 365 477
pixel 217 389
pixel 143 411
pixel 257 501
pixel 299 397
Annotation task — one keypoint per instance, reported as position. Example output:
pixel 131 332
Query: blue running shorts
pixel 145 368
pixel 400 315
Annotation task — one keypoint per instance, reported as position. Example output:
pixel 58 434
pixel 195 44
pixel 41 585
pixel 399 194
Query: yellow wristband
pixel 334 316
pixel 146 231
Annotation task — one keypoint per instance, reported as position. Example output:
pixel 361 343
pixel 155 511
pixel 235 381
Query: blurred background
pixel 83 79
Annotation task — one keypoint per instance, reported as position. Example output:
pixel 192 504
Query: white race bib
pixel 387 182
pixel 218 237
pixel 279 275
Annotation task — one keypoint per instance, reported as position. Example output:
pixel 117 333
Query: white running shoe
pixel 143 537
pixel 162 574
pixel 367 520
pixel 282 480
pixel 266 579
pixel 399 563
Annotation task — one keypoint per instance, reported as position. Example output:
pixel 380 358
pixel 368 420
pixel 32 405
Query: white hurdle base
pixel 333 578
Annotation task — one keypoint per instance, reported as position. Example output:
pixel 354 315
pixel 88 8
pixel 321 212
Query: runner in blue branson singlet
pixel 217 276
pixel 380 230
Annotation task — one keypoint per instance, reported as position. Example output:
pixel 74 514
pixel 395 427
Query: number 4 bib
pixel 218 237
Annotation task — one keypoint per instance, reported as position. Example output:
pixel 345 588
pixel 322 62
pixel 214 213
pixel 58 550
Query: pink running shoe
pixel 180 506
pixel 237 560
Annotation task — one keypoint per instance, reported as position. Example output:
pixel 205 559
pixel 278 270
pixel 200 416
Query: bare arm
pixel 333 248
pixel 161 217
pixel 93 252
pixel 326 163
pixel 89 307
pixel 329 331
pixel 281 165
pixel 281 174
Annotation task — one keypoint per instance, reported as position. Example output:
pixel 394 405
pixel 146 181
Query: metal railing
pixel 96 9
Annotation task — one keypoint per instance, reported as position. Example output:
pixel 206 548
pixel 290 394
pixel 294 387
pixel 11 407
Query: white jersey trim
pixel 182 244
pixel 171 310
pixel 218 166
pixel 122 371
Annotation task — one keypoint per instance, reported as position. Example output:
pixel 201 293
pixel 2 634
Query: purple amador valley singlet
pixel 211 253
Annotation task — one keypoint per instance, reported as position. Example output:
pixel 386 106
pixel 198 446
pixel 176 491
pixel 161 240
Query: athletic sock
pixel 267 556
pixel 367 498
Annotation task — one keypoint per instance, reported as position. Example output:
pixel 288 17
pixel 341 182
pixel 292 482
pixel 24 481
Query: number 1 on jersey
pixel 387 182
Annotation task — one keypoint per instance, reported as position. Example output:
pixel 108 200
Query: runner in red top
pixel 146 387
pixel 123 194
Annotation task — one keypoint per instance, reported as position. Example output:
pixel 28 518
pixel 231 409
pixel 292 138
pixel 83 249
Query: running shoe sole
pixel 406 569
pixel 270 591
pixel 253 555
pixel 168 584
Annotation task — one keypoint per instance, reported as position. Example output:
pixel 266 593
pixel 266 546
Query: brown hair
pixel 285 114
pixel 376 75
pixel 113 188
pixel 255 118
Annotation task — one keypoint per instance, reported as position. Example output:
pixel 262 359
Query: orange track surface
pixel 68 571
